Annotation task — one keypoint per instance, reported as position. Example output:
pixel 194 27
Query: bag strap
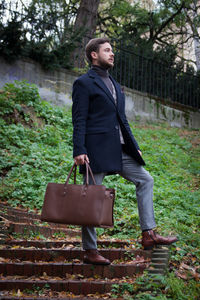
pixel 87 174
pixel 70 173
pixel 88 170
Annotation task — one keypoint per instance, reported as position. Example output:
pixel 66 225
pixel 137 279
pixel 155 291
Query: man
pixel 103 138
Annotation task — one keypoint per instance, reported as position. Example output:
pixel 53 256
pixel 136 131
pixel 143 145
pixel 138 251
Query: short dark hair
pixel 94 45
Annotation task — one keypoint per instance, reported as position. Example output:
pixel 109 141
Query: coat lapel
pixel 118 91
pixel 102 85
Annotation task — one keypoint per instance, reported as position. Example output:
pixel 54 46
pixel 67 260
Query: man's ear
pixel 94 55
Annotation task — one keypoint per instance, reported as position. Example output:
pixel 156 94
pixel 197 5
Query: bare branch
pixel 168 21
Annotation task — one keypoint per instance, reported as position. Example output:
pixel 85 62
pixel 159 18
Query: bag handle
pixel 91 174
pixel 70 173
pixel 88 170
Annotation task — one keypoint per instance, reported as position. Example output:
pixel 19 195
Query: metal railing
pixel 156 79
pixel 146 75
pixel 131 70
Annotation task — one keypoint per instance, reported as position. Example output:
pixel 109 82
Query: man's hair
pixel 94 45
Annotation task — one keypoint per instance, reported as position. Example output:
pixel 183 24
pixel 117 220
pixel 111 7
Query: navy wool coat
pixel 96 120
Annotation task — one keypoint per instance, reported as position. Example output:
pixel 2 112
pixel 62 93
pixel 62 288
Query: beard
pixel 104 64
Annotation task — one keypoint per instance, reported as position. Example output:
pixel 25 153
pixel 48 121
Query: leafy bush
pixel 32 152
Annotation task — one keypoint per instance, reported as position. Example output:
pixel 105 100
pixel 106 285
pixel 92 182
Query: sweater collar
pixel 100 71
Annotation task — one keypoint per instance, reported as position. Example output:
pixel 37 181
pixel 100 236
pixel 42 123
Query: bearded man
pixel 103 138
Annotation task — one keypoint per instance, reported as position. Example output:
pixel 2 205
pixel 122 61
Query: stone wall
pixel 55 86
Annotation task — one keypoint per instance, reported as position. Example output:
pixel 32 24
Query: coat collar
pixel 101 84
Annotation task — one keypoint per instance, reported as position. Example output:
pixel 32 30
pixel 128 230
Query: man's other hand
pixel 140 152
pixel 80 159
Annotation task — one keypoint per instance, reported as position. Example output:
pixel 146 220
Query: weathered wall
pixel 55 86
pixel 142 107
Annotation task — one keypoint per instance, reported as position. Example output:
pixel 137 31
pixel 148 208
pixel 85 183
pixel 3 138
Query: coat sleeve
pixel 80 98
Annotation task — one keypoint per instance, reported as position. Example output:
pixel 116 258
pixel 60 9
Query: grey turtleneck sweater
pixel 103 73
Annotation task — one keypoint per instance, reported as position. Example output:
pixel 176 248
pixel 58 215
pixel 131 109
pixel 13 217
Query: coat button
pixel 116 127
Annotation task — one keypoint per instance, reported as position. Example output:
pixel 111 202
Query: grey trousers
pixel 134 172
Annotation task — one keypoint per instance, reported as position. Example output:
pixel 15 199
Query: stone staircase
pixel 52 267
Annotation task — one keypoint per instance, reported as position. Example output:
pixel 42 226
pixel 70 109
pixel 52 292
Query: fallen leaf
pixel 189 268
pixel 19 293
pixel 76 261
pixel 2 259
pixel 178 249
pixel 62 294
pixel 16 247
pixel 181 275
pixel 196 276
pixel 184 266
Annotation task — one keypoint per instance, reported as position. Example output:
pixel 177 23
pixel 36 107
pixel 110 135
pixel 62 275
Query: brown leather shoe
pixel 92 256
pixel 151 239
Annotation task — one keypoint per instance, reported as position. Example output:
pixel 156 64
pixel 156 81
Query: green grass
pixel 36 148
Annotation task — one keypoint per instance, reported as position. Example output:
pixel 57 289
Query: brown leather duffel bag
pixel 86 205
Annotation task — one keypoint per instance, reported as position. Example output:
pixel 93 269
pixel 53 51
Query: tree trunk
pixel 85 21
pixel 196 37
pixel 192 16
pixel 197 52
pixel 87 16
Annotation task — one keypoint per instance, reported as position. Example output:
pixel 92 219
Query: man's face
pixel 104 57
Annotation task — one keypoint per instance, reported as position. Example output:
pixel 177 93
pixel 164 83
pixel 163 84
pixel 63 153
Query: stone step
pixel 77 287
pixel 5 209
pixel 23 222
pixel 70 254
pixel 65 243
pixel 4 231
pixel 161 248
pixel 46 298
pixel 16 215
pixel 17 219
pixel 55 261
pixel 5 296
pixel 33 221
pixel 156 271
pixel 160 255
pixel 157 266
pixel 43 230
pixel 3 236
pixel 159 260
pixel 79 270
pixel 2 242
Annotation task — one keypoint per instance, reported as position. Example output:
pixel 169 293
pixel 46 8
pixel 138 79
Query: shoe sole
pixel 96 263
pixel 151 247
